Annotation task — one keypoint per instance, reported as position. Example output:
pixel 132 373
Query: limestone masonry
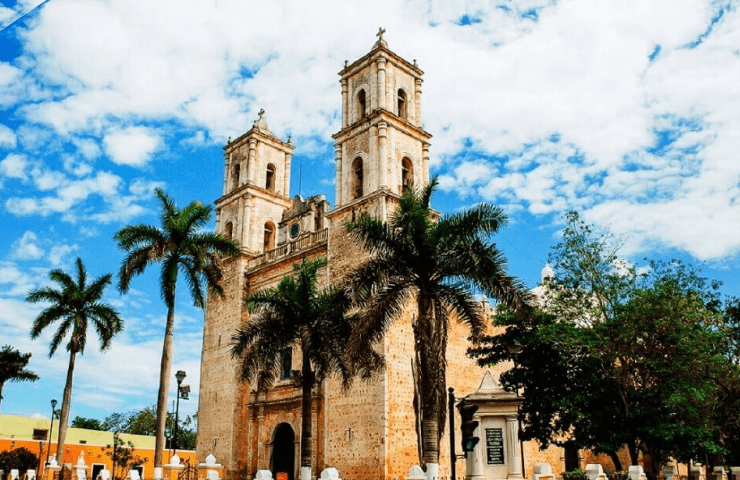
pixel 369 431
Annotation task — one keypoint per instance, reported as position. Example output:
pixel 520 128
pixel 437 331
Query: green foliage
pixel 19 458
pixel 181 247
pixel 436 265
pixel 144 422
pixel 123 457
pixel 297 315
pixel 88 423
pixel 75 307
pixel 13 367
pixel 576 474
pixel 618 475
pixel 617 357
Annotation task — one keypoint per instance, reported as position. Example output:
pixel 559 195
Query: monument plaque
pixel 495 446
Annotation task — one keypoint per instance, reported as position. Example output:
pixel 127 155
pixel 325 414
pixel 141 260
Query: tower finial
pixel 380 41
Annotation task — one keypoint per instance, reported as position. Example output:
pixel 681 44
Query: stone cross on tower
pixel 380 33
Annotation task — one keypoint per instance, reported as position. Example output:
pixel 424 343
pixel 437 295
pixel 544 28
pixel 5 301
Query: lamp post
pixel 515 349
pixel 51 429
pixel 183 391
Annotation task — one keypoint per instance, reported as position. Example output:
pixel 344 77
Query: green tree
pixel 436 265
pixel 13 367
pixel 88 423
pixel 123 457
pixel 75 305
pixel 21 459
pixel 617 358
pixel 180 246
pixel 297 314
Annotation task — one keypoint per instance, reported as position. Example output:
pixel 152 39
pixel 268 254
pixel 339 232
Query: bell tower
pixel 382 145
pixel 256 188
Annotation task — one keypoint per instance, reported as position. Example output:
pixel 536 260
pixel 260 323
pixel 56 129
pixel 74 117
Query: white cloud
pixel 131 146
pixel 7 137
pixel 27 248
pixel 14 166
pixel 605 79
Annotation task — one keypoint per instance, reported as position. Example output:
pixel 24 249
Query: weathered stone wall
pixel 219 397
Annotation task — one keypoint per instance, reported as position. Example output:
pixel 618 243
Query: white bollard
pixel 416 473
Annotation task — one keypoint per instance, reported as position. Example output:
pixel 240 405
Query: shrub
pixel 620 475
pixel 19 458
pixel 576 474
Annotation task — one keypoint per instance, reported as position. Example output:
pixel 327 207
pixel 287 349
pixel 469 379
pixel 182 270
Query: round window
pixel 295 229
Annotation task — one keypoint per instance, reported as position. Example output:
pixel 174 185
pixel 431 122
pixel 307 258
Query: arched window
pixel 401 103
pixel 361 104
pixel 270 178
pixel 357 178
pixel 407 173
pixel 229 231
pixel 235 177
pixel 269 243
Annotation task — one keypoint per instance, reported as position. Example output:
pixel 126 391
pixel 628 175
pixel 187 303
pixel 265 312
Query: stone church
pixel 367 432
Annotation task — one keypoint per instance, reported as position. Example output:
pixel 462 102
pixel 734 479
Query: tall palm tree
pixel 75 305
pixel 435 265
pixel 180 245
pixel 296 314
pixel 13 367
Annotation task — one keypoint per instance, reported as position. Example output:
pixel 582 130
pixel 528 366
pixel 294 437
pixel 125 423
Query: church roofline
pixel 380 48
pixel 257 132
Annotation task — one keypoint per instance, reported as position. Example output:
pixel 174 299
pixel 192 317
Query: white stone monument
pixel 330 474
pixel 543 471
pixel 636 473
pixel 497 456
pixel 30 474
pixel 263 475
pixel 81 468
pixel 133 474
pixel 415 473
pixel 104 474
pixel 595 472
pixel 13 474
pixel 719 474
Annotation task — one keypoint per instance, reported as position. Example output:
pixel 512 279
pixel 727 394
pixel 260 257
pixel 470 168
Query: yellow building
pixel 96 446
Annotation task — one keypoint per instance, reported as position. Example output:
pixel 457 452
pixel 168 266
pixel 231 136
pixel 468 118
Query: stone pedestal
pixel 212 468
pixel 81 468
pixel 174 466
pixel 52 469
pixel 497 456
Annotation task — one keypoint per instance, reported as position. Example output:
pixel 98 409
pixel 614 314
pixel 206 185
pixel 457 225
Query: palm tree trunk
pixel 430 349
pixel 306 426
pixel 66 399
pixel 164 384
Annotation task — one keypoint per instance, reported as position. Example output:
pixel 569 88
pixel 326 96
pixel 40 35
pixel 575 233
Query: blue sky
pixel 626 111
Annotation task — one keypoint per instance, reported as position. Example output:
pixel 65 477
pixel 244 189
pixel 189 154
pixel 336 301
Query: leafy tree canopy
pixel 13 367
pixel 88 423
pixel 616 356
pixel 18 458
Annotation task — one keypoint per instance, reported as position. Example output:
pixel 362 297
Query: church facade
pixel 367 432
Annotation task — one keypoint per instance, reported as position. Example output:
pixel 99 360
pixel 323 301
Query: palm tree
pixel 296 314
pixel 74 305
pixel 13 367
pixel 180 245
pixel 436 265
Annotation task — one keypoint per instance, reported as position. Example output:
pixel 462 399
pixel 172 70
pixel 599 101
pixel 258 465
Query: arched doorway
pixel 283 452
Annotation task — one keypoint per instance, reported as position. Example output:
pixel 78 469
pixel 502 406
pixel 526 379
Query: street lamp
pixel 183 391
pixel 51 429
